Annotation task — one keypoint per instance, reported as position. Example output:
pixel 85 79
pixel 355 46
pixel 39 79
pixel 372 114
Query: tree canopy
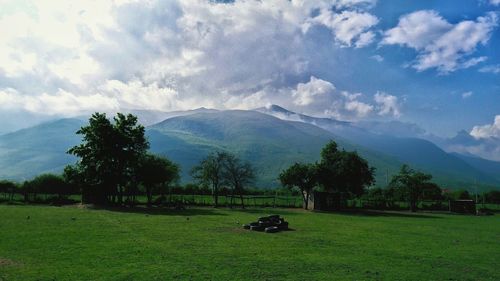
pixel 412 185
pixel 301 176
pixel 237 174
pixel 343 171
pixel 222 168
pixel 108 154
pixel 155 172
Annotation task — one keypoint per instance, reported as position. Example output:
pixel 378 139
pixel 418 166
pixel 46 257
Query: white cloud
pixel 361 109
pixel 378 58
pixel 348 27
pixel 112 96
pixel 495 69
pixel 320 98
pixel 61 102
pixel 167 55
pixel 467 94
pixel 495 2
pixel 312 91
pixel 440 44
pixel 387 104
pixel 487 131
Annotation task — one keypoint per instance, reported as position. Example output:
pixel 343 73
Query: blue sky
pixel 433 63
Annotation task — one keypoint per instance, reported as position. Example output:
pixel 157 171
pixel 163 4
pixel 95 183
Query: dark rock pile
pixel 269 224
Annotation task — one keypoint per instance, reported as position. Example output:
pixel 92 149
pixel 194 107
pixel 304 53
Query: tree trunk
pixel 241 197
pixel 304 199
pixel 150 195
pixel 413 205
pixel 307 201
pixel 216 196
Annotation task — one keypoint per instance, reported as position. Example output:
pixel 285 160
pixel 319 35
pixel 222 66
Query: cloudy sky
pixel 433 63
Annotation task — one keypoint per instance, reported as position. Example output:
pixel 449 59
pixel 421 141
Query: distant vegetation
pixel 338 171
pixel 114 167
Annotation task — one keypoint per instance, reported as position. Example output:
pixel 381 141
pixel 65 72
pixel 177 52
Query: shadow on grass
pixel 161 211
pixel 267 211
pixel 376 213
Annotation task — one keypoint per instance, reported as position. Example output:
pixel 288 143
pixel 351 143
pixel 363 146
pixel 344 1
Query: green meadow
pixel 71 243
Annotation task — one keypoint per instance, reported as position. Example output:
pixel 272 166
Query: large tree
pixel 156 173
pixel 237 174
pixel 343 171
pixel 210 173
pixel 412 185
pixel 301 176
pixel 108 154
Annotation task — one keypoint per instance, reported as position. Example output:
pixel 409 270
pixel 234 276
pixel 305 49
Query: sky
pixel 432 63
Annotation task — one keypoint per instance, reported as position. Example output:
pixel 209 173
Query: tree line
pixel 114 166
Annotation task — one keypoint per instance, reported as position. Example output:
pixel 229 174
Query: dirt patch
pixel 7 262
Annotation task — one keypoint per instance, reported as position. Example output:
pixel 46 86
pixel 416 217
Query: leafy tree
pixel 8 188
pixel 73 175
pixel 210 173
pixel 343 171
pixel 237 174
pixel 462 194
pixel 431 191
pixel 301 176
pixel 108 154
pixel 412 185
pixel 492 196
pixel 45 184
pixel 156 172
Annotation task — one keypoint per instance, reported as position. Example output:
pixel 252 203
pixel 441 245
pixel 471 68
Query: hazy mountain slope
pixel 447 169
pixel 29 152
pixel 150 117
pixel 271 144
pixel 491 168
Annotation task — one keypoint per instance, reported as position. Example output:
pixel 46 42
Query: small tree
pixel 411 184
pixel 210 173
pixel 237 174
pixel 156 172
pixel 301 176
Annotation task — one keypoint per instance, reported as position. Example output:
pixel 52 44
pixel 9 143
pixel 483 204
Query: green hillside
pixel 39 149
pixel 269 143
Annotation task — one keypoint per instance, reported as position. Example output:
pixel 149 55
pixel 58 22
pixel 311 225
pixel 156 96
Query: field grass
pixel 68 243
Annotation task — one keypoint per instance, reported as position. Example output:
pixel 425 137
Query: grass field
pixel 68 243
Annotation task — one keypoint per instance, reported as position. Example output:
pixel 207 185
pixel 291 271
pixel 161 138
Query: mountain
pixel 13 120
pixel 448 169
pixel 285 114
pixel 39 149
pixel 465 144
pixel 269 143
pixel 491 168
pixel 150 117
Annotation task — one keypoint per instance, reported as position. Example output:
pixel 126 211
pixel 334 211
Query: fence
pixel 278 200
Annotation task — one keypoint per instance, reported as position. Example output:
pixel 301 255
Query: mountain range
pixel 271 138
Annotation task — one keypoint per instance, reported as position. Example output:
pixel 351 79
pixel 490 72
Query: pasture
pixel 70 243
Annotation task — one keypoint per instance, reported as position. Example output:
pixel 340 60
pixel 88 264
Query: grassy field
pixel 69 243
